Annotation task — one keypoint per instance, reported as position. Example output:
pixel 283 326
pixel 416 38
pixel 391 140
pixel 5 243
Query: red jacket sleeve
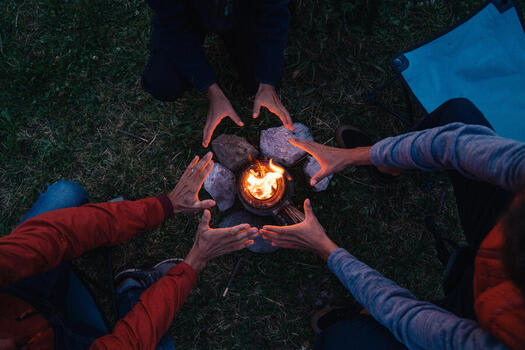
pixel 41 243
pixel 151 317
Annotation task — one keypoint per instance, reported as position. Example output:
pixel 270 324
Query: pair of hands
pixel 220 108
pixel 209 242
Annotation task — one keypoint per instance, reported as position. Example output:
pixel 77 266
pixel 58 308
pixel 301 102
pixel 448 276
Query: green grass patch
pixel 70 79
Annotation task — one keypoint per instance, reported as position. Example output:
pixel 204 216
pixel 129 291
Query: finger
pixel 308 210
pixel 244 235
pixel 201 165
pixel 205 221
pixel 209 129
pixel 320 175
pixel 203 174
pixel 206 204
pixel 256 110
pixel 305 145
pixel 236 247
pixel 191 166
pixel 288 119
pixel 268 232
pixel 285 243
pixel 276 229
pixel 231 231
pixel 236 119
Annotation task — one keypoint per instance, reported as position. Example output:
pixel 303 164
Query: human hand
pixel 212 242
pixel 185 196
pixel 267 97
pixel 331 159
pixel 307 235
pixel 219 109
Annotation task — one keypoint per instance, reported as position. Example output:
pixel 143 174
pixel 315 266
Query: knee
pixel 464 111
pixel 163 88
pixel 68 193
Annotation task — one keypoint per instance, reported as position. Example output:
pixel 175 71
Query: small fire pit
pixel 265 189
pixel 260 178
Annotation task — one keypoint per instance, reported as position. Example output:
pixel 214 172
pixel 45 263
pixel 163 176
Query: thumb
pixel 236 119
pixel 205 220
pixel 317 177
pixel 206 204
pixel 256 110
pixel 308 211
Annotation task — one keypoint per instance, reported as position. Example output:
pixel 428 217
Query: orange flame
pixel 262 182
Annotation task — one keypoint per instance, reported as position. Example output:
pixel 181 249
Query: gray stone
pixel 220 184
pixel 244 217
pixel 233 152
pixel 274 143
pixel 311 167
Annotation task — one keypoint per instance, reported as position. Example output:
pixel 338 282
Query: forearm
pixel 150 318
pixel 474 151
pixel 41 243
pixel 417 324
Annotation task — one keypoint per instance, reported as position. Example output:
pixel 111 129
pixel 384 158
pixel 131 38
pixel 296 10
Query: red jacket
pixel 499 304
pixel 41 243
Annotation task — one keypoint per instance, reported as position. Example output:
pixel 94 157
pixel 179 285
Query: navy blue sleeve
pixel 175 34
pixel 271 31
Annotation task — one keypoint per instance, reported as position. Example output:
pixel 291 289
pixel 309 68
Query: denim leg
pixel 60 289
pixel 61 194
pixel 361 332
pixel 128 295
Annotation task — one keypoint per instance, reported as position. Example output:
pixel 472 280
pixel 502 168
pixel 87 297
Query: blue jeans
pixel 60 295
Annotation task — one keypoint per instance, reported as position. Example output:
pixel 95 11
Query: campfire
pixel 265 188
pixel 264 180
pixel 262 184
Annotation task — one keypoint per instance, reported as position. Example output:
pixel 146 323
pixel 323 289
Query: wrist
pixel 214 92
pixel 358 156
pixel 196 260
pixel 263 87
pixel 326 248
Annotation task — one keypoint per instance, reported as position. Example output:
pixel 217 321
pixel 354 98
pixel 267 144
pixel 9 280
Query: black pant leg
pixel 161 78
pixel 240 43
pixel 479 204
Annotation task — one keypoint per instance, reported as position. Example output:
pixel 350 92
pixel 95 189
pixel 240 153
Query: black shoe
pixel 147 277
pixel 348 136
pixel 324 318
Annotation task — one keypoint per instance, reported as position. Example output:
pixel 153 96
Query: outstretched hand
pixel 331 159
pixel 185 196
pixel 267 97
pixel 220 108
pixel 212 242
pixel 307 235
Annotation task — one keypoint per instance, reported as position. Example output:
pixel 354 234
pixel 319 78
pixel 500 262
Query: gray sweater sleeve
pixel 474 151
pixel 417 324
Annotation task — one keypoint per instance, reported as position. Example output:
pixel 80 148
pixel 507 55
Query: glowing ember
pixel 262 181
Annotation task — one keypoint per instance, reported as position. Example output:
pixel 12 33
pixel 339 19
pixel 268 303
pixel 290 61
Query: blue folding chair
pixel 482 59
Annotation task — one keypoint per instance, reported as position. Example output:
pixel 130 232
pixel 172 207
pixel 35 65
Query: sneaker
pixel 147 277
pixel 326 317
pixel 348 136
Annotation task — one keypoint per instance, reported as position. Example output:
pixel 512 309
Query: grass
pixel 70 79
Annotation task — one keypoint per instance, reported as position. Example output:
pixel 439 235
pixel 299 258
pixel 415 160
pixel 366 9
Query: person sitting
pixel 254 33
pixel 484 286
pixel 43 305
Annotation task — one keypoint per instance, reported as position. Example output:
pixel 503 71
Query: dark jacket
pixel 179 28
